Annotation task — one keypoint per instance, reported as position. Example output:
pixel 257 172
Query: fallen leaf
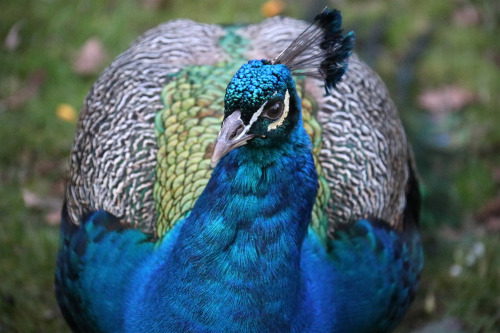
pixel 13 38
pixel 66 112
pixel 449 325
pixel 446 99
pixel 272 8
pixel 90 58
pixel 467 16
pixel 430 303
pixel 493 224
pixel 50 205
pixel 53 217
pixel 33 200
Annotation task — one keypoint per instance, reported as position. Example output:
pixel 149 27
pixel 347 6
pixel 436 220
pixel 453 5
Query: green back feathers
pixel 186 129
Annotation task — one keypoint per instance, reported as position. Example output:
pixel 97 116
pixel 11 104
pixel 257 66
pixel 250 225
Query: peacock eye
pixel 274 111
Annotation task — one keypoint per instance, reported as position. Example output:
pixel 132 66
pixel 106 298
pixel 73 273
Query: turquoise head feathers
pixel 254 84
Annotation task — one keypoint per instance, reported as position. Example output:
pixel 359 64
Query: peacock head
pixel 261 107
pixel 261 104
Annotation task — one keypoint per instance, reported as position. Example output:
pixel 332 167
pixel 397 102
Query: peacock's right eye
pixel 274 111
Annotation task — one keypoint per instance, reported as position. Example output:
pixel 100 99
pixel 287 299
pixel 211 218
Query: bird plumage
pixel 307 223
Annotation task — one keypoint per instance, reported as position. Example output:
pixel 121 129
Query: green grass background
pixel 415 46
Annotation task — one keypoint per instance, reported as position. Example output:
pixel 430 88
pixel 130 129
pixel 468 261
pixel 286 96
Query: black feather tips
pixel 321 51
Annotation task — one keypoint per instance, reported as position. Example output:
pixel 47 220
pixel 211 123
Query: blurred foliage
pixel 422 49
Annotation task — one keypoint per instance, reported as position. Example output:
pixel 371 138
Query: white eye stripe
pixel 273 125
pixel 256 115
pixel 254 118
pixel 280 121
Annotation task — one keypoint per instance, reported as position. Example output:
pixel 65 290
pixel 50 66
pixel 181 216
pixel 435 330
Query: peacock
pixel 239 179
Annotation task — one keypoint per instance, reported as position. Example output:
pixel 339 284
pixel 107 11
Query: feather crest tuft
pixel 321 51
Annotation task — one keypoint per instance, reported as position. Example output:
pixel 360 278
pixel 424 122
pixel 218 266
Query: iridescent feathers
pixel 254 84
pixel 308 222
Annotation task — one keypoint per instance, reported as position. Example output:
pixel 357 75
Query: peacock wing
pixel 121 161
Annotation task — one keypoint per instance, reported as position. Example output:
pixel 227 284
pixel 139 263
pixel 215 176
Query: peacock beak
pixel 233 134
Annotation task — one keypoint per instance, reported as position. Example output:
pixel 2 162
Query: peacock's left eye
pixel 274 111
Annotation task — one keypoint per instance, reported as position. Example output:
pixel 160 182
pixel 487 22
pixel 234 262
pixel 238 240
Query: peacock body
pixel 306 223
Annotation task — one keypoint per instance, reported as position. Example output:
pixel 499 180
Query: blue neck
pixel 240 246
